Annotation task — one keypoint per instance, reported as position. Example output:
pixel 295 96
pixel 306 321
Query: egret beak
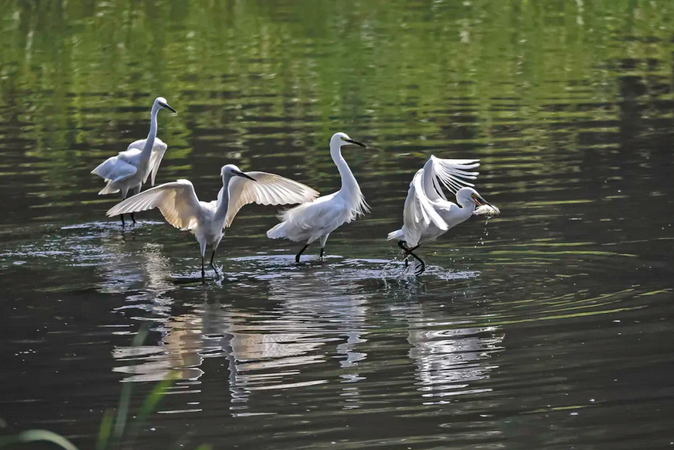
pixel 351 141
pixel 166 105
pixel 479 201
pixel 241 174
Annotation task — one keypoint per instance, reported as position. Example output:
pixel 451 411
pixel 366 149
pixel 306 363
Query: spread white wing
pixel 418 213
pixel 177 201
pixel 113 169
pixel 452 173
pixel 267 189
pixel 158 151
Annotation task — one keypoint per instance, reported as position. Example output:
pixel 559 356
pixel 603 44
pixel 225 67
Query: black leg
pixel 297 257
pixel 203 272
pixel 322 252
pixel 121 216
pixel 133 218
pixel 422 268
pixel 410 252
pixel 213 256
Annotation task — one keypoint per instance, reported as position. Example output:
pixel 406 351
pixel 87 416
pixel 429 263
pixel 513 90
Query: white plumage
pixel 317 219
pixel 127 171
pixel 427 213
pixel 180 206
pixel 117 168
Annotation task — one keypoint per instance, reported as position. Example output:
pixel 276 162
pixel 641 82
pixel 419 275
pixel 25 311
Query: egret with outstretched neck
pixel 315 220
pixel 127 171
pixel 428 214
pixel 180 206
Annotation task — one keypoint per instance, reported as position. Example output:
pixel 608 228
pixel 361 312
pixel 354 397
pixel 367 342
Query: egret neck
pixel 221 208
pixel 350 186
pixel 149 142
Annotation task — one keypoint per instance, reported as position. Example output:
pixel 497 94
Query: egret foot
pixel 297 257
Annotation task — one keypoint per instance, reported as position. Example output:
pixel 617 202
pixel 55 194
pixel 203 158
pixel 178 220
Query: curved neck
pixel 223 201
pixel 149 142
pixel 467 205
pixel 349 183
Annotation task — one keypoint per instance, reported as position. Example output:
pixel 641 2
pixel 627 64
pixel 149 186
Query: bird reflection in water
pixel 450 354
pixel 265 348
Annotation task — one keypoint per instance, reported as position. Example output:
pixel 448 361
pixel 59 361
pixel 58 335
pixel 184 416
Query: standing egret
pixel 427 213
pixel 130 169
pixel 320 217
pixel 180 206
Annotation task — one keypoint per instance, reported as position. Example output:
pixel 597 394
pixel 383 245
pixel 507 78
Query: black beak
pixel 165 105
pixel 241 174
pixel 482 201
pixel 351 141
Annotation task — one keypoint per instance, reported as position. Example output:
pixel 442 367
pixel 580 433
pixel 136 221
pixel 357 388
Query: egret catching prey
pixel 180 206
pixel 320 217
pixel 427 213
pixel 127 171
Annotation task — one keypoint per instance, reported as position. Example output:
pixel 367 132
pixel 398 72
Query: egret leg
pixel 203 272
pixel 324 240
pixel 121 216
pixel 134 192
pixel 297 257
pixel 213 266
pixel 410 252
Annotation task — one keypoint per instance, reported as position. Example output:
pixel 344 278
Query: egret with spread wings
pixel 428 214
pixel 127 171
pixel 180 206
pixel 315 220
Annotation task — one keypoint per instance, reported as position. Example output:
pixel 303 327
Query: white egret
pixel 180 206
pixel 320 217
pixel 427 213
pixel 127 171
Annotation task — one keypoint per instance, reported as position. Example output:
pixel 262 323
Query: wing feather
pixel 452 173
pixel 267 189
pixel 418 213
pixel 177 202
pixel 158 151
pixel 112 170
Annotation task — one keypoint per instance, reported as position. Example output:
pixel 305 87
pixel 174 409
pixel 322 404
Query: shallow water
pixel 547 327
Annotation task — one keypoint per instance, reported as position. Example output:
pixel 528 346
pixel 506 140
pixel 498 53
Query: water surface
pixel 547 327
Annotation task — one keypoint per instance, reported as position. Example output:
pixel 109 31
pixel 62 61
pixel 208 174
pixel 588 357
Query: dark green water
pixel 550 327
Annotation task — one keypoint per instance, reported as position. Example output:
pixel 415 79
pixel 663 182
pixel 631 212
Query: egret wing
pixel 452 173
pixel 267 189
pixel 419 213
pixel 114 168
pixel 177 201
pixel 158 151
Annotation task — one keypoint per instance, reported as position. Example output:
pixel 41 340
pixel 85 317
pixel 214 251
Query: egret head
pixel 469 197
pixel 340 139
pixel 230 170
pixel 160 102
